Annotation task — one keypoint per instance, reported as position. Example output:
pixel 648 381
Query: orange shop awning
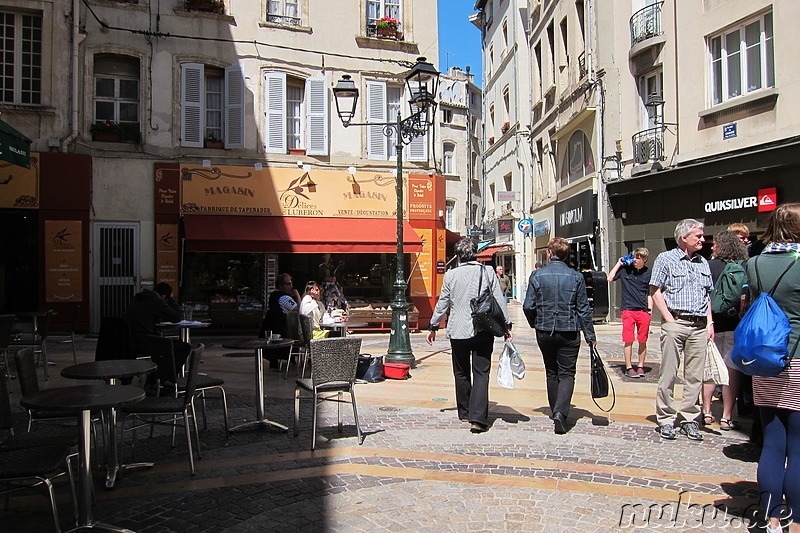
pixel 214 233
pixel 487 253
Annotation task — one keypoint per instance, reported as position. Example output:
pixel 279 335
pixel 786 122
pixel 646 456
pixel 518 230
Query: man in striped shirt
pixel 680 286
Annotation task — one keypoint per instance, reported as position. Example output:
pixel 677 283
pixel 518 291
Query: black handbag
pixel 600 381
pixel 487 315
pixel 370 368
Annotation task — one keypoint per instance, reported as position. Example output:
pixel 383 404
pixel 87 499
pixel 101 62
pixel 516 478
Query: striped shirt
pixel 685 281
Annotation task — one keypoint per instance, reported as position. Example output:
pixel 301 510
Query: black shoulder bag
pixel 487 315
pixel 600 381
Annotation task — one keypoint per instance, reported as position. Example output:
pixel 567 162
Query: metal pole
pixel 399 340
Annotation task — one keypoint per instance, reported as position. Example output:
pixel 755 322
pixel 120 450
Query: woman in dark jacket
pixel 459 286
pixel 556 305
pixel 778 398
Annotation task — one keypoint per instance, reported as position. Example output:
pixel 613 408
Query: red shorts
pixel 640 319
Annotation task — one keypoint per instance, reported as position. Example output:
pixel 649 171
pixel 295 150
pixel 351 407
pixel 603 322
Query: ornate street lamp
pixel 422 82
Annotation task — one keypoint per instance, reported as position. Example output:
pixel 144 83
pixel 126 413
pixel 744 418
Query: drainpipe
pixel 77 39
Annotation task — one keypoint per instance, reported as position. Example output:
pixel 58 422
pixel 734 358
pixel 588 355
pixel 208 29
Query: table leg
pixel 113 466
pixel 85 476
pixel 260 420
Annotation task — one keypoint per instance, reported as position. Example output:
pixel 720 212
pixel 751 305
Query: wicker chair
pixel 333 369
pixel 149 409
pixel 307 335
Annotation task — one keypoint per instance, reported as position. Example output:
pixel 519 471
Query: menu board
pixel 63 251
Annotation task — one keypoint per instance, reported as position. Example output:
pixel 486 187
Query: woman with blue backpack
pixel 778 397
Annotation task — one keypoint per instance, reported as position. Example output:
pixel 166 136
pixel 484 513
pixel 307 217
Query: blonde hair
pixel 739 229
pixel 642 253
pixel 783 224
pixel 559 248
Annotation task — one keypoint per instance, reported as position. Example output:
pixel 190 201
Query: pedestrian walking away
pixel 471 349
pixel 557 307
pixel 680 286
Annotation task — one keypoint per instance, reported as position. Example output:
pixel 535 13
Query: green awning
pixel 14 146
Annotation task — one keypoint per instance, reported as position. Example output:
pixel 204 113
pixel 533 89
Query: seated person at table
pixel 311 306
pixel 147 309
pixel 284 299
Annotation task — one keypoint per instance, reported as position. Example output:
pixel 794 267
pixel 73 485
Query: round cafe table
pixel 342 327
pixel 185 327
pixel 111 371
pixel 84 398
pixel 259 346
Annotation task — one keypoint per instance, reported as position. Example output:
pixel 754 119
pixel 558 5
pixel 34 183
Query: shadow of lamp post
pixel 422 83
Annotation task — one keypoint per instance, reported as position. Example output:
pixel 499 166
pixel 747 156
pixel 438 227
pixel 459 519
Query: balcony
pixel 648 145
pixel 646 23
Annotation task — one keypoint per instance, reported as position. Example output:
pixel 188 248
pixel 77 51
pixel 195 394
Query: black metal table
pixel 111 371
pixel 185 327
pixel 259 346
pixel 84 398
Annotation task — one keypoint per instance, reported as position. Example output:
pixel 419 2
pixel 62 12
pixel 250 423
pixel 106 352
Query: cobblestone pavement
pixel 420 469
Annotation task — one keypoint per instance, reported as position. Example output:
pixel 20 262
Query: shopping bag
pixel 517 364
pixel 505 378
pixel 715 370
pixel 370 368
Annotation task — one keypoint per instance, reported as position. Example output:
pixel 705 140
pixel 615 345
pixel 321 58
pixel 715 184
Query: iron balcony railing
pixel 283 19
pixel 648 145
pixel 646 23
pixel 582 65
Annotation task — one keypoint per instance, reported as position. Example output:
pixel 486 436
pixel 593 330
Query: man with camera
pixel 637 305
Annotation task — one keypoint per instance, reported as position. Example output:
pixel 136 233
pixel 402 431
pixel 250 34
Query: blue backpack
pixel 761 340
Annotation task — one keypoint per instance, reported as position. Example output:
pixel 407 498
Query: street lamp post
pixel 422 81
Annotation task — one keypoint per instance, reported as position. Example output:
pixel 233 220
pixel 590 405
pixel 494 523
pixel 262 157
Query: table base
pixel 264 422
pixel 111 474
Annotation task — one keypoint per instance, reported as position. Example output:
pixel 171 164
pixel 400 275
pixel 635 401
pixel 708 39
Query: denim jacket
pixel 556 300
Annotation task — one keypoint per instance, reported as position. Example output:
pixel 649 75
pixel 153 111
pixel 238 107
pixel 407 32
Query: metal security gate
pixel 115 268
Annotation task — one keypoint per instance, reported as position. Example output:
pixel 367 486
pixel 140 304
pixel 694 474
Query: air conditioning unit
pixel 642 151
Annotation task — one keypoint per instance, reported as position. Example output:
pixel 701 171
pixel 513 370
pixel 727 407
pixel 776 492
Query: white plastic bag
pixel 517 364
pixel 504 376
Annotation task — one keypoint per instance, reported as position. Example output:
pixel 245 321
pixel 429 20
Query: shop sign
pixel 167 255
pixel 421 284
pixel 421 197
pixel 507 196
pixel 505 226
pixel 63 260
pixel 19 186
pixel 767 199
pixel 540 229
pixel 731 204
pixel 525 225
pixel 440 267
pixel 575 216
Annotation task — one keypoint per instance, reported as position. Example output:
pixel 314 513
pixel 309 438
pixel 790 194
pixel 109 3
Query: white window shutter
pixel 192 108
pixel 317 115
pixel 234 107
pixel 417 149
pixel 376 112
pixel 275 112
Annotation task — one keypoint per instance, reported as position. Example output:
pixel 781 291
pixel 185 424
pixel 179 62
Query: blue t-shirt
pixel 635 287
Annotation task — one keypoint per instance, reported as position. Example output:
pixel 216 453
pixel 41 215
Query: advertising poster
pixel 421 276
pixel 167 256
pixel 63 266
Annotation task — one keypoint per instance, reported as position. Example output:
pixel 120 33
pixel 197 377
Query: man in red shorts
pixel 636 307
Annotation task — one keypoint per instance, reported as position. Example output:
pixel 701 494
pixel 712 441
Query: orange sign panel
pixel 19 186
pixel 167 256
pixel 421 274
pixel 421 197
pixel 63 260
pixel 287 192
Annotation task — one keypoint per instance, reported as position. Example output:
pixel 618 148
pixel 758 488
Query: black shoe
pixel 559 423
pixel 476 427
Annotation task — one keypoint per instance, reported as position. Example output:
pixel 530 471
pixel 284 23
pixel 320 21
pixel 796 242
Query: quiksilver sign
pixel 731 204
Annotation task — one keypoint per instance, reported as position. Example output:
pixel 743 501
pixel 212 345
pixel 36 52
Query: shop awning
pixel 14 146
pixel 487 253
pixel 212 233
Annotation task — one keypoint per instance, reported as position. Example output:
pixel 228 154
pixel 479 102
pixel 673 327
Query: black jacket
pixel 146 310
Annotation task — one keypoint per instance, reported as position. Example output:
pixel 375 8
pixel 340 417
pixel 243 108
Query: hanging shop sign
pixel 505 226
pixel 575 216
pixel 15 147
pixel 19 186
pixel 542 228
pixel 525 225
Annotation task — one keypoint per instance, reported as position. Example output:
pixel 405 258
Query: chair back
pixel 6 419
pixel 44 325
pixel 114 340
pixel 305 327
pixel 191 374
pixel 293 325
pixel 76 313
pixel 334 360
pixel 162 352
pixel 26 371
pixel 6 330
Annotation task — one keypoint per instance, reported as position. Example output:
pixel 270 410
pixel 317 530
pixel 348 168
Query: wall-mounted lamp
pixel 306 168
pixel 206 163
pixel 299 164
pixel 351 170
pixel 258 166
pixel 351 177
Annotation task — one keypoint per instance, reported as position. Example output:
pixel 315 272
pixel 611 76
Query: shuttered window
pixel 376 112
pixel 296 113
pixel 212 109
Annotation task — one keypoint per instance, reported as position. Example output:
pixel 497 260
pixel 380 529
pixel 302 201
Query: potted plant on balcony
pixel 491 141
pixel 208 6
pixel 504 128
pixel 213 142
pixel 386 28
pixel 107 131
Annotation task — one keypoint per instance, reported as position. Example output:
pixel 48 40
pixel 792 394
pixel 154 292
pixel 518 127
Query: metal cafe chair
pixel 64 337
pixel 6 333
pixel 39 341
pixel 333 370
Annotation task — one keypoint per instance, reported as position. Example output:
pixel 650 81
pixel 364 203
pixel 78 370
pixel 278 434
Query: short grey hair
pixel 685 226
pixel 466 249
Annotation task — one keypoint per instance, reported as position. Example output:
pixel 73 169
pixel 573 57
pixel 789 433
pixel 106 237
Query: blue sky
pixel 459 40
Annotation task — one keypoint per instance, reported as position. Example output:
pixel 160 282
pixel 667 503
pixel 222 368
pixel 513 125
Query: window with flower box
pixel 116 98
pixel 212 106
pixel 20 58
pixel 383 10
pixel 384 102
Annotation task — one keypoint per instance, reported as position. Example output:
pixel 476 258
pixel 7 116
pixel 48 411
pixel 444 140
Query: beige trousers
pixel 689 339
